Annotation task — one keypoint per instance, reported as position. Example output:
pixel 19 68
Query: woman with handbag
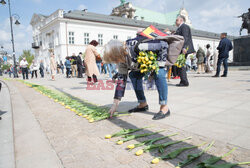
pixel 90 61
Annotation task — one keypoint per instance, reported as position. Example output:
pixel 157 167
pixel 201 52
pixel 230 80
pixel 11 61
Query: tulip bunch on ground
pixel 82 108
pixel 147 62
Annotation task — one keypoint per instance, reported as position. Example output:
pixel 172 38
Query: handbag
pixel 98 58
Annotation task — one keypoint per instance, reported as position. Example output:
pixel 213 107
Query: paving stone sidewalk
pixel 80 144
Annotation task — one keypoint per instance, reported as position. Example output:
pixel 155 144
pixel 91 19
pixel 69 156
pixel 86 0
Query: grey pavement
pixel 214 107
pixel 32 148
pixel 7 154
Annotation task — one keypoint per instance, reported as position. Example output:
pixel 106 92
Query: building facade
pixel 68 33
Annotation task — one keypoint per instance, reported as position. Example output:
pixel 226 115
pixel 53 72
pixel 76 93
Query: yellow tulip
pixel 80 114
pixel 149 62
pixel 132 146
pixel 142 71
pixel 139 60
pixel 155 161
pixel 119 142
pixel 146 58
pixel 49 96
pixel 85 116
pixel 108 136
pixel 152 58
pixel 151 53
pixel 153 67
pixel 178 167
pixel 139 152
pixel 91 120
pixel 67 107
pixel 56 100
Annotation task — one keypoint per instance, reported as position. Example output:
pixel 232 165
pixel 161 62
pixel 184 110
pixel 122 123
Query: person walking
pixel 52 66
pixel 34 68
pixel 200 60
pixel 62 67
pixel 58 66
pixel 188 48
pixel 224 47
pixel 79 65
pixel 68 67
pixel 41 69
pixel 90 61
pixel 209 54
pixel 10 70
pixel 24 66
pixel 112 70
pixel 74 65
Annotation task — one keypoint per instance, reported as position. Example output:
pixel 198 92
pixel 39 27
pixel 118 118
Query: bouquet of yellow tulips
pixel 147 62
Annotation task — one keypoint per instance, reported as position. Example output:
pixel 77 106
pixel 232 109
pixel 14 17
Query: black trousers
pixel 25 73
pixel 67 72
pixel 41 73
pixel 183 76
pixel 175 71
pixel 94 78
pixel 34 72
pixel 79 69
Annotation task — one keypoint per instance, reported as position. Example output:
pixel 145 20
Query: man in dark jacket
pixel 224 47
pixel 188 48
pixel 79 65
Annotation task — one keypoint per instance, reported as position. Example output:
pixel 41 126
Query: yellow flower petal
pixel 155 161
pixel 91 120
pixel 119 142
pixel 139 152
pixel 108 136
pixel 132 146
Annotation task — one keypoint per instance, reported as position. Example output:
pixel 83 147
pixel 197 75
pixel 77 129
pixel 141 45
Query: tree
pixel 28 55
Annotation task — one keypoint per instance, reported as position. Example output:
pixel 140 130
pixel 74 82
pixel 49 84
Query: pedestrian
pixel 74 65
pixel 62 67
pixel 200 55
pixel 58 67
pixel 188 48
pixel 79 65
pixel 68 67
pixel 34 67
pixel 112 70
pixel 24 66
pixel 41 69
pixel 99 63
pixel 10 70
pixel 52 66
pixel 209 54
pixel 90 61
pixel 224 47
pixel 117 52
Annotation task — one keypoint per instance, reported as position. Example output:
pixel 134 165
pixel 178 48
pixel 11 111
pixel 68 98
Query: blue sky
pixel 212 15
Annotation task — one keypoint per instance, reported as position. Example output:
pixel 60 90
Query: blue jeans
pixel 160 81
pixel 105 68
pixel 225 64
pixel 112 70
pixel 99 66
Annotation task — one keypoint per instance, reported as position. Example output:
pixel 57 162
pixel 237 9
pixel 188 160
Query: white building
pixel 70 32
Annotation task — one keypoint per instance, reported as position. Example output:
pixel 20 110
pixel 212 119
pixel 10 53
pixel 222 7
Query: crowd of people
pixel 120 62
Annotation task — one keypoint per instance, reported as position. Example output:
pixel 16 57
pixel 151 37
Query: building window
pixel 100 39
pixel 115 37
pixel 71 38
pixel 86 38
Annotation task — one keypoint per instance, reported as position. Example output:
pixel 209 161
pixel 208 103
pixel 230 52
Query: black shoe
pixel 182 85
pixel 215 76
pixel 223 75
pixel 160 115
pixel 136 109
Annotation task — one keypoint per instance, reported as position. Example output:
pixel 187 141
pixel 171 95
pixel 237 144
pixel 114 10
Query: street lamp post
pixel 12 36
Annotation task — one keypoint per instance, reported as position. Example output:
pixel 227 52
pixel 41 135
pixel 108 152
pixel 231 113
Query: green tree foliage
pixel 28 55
